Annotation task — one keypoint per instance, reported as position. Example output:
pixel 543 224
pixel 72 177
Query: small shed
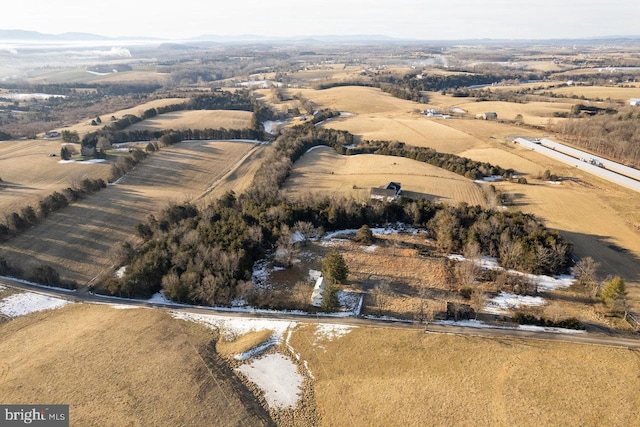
pixel 318 290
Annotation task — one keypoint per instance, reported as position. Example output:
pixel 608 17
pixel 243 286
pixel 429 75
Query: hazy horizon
pixel 400 19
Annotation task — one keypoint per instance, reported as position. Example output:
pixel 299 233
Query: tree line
pixel 28 216
pixel 115 132
pixel 616 136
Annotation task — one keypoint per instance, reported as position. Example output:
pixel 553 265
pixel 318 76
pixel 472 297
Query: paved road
pixel 581 338
pixel 573 159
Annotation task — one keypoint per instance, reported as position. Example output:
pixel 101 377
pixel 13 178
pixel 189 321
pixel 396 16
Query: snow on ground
pixel 29 302
pixel 159 298
pixel 545 283
pixel 232 327
pixel 503 302
pixel 278 377
pixel 492 178
pixel 82 162
pixel 370 249
pixel 379 231
pixel 26 282
pixel 314 275
pixel 2 288
pixel 330 332
pixel 120 272
pixel 270 126
pixel 260 274
pixel 535 328
pixel 315 147
pixel 348 300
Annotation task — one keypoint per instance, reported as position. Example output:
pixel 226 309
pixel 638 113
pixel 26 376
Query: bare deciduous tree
pixel 586 271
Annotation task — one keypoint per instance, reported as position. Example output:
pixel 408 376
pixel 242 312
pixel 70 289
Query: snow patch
pixel 159 298
pixel 278 377
pixel 120 272
pixel 543 282
pixel 232 327
pixel 314 275
pixel 330 332
pixel 260 274
pixel 272 126
pixel 536 328
pixel 348 300
pixel 501 303
pixel 29 302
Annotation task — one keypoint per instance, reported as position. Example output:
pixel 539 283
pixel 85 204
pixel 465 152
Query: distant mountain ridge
pixel 27 35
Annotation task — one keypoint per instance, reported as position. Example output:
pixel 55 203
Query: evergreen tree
pixel 334 268
pixel 364 235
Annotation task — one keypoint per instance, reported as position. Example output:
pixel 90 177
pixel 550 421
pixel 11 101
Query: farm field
pixel 378 377
pixel 78 239
pixel 85 127
pixel 81 75
pixel 115 367
pixel 358 100
pixel 196 119
pixel 322 170
pixel 533 113
pixel 613 93
pixel 411 128
pixel 29 174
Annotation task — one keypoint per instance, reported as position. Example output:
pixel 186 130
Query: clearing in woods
pixel 324 171
pixel 127 360
pixel 78 239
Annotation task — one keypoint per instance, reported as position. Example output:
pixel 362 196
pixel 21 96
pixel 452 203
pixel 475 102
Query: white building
pixel 318 290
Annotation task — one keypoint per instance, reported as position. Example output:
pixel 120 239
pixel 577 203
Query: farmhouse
pixel 389 193
pixel 634 101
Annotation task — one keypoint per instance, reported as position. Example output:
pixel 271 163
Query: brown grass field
pixel 85 126
pixel 78 239
pixel 413 129
pixel 322 170
pixel 80 75
pixel 622 94
pixel 358 100
pixel 196 119
pixel 135 367
pixel 533 113
pixel 29 174
pixel 382 377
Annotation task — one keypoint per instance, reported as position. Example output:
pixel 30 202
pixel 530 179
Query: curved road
pixel 590 338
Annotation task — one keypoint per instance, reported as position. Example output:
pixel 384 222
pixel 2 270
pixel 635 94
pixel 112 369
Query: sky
pixel 407 19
